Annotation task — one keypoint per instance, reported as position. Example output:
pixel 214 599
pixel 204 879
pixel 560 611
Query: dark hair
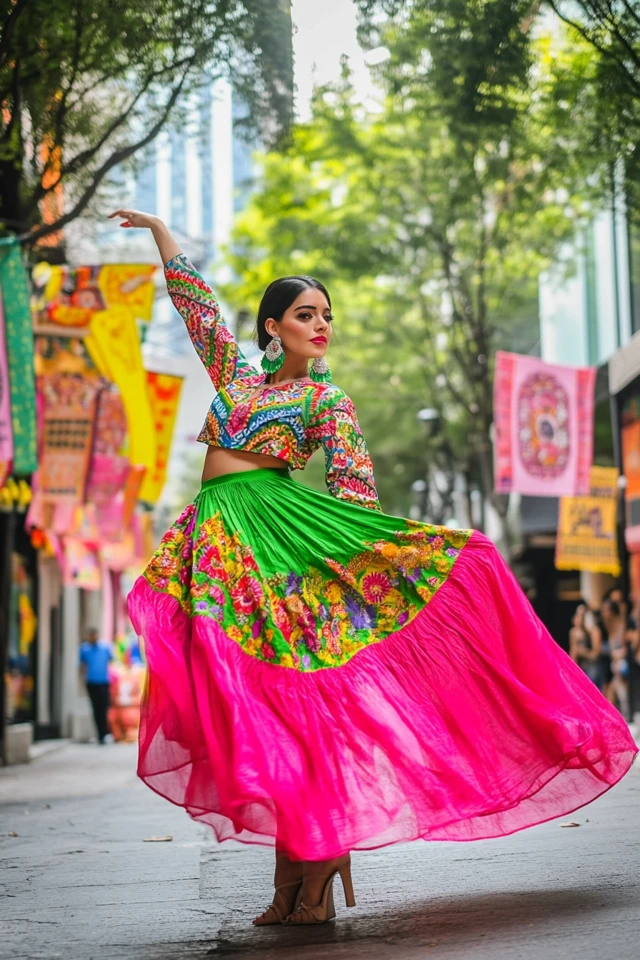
pixel 616 587
pixel 613 606
pixel 278 297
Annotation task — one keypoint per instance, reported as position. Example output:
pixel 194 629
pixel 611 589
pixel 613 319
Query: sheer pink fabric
pixel 468 723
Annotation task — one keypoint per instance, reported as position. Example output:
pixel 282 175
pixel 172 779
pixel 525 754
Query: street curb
pixel 43 747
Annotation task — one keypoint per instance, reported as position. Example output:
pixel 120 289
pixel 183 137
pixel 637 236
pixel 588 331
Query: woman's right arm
pixel 573 644
pixel 596 642
pixel 195 302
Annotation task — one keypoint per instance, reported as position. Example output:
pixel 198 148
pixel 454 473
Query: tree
pixel 610 32
pixel 86 84
pixel 479 48
pixel 434 230
pixel 613 30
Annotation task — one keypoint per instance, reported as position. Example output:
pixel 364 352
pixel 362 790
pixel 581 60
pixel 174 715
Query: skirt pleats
pixel 329 678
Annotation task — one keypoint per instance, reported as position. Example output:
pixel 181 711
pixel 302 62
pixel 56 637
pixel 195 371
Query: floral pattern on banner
pixel 304 621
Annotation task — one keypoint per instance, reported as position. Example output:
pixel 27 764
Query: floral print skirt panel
pixel 296 579
pixel 329 677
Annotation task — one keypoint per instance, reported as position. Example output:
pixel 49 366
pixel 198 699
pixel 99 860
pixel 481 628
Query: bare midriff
pixel 220 461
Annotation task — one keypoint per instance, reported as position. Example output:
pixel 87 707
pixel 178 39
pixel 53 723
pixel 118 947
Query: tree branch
pixel 117 157
pixel 604 51
pixel 82 159
pixel 9 26
pixel 631 11
pixel 614 27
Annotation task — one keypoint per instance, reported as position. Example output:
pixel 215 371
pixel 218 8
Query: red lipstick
pixel 319 340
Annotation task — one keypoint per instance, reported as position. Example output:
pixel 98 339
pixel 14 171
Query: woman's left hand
pixel 135 218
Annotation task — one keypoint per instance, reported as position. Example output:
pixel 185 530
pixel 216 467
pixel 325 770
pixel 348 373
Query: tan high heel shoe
pixel 326 909
pixel 277 912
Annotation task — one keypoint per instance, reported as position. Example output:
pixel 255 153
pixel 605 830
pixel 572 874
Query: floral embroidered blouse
pixel 288 421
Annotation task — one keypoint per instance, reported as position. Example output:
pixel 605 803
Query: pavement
pixel 79 882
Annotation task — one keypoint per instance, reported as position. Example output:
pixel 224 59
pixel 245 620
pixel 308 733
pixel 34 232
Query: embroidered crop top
pixel 287 421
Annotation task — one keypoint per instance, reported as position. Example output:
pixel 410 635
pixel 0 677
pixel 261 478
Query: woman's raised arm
pixel 195 302
pixel 167 246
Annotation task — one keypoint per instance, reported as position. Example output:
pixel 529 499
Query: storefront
pixel 18 620
pixel 624 383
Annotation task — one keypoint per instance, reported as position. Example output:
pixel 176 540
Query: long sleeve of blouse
pixel 348 466
pixel 195 302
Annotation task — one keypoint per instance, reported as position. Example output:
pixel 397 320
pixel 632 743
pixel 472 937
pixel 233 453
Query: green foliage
pixel 475 55
pixel 599 89
pixel 430 228
pixel 85 84
pixel 477 52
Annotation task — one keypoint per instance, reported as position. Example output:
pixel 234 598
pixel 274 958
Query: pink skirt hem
pixel 466 724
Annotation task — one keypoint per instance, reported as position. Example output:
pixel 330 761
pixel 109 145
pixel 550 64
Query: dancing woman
pixel 326 678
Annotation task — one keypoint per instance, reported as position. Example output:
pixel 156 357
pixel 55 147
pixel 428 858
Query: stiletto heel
pixel 326 910
pixel 347 884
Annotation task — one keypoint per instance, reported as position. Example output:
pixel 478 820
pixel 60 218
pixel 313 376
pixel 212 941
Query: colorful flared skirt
pixel 331 678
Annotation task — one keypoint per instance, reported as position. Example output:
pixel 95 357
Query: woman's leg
pixel 610 691
pixel 621 688
pixel 287 881
pixel 286 869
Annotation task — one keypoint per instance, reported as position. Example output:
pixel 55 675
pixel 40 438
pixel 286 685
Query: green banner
pixel 14 290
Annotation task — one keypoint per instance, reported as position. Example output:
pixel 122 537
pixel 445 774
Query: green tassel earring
pixel 273 356
pixel 320 371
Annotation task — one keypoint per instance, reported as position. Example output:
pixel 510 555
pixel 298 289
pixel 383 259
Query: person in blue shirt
pixel 95 657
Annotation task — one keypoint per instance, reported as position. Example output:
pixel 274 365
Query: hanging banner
pixel 119 556
pixel 587 533
pixel 630 421
pixel 69 414
pixel 129 285
pixel 81 566
pixel 133 486
pixel 164 397
pixel 114 338
pixel 543 416
pixel 6 432
pixel 14 292
pixel 142 527
pixel 69 296
pixel 108 469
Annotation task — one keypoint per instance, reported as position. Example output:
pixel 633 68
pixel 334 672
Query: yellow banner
pixel 587 535
pixel 164 396
pixel 114 345
pixel 68 297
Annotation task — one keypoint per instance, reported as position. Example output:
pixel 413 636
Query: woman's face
pixel 305 328
pixel 578 617
pixel 618 597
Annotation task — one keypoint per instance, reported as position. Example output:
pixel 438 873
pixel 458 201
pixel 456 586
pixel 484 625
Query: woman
pixel 613 626
pixel 323 677
pixel 584 645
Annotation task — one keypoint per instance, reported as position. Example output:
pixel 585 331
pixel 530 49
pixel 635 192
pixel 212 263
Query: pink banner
pixel 6 433
pixel 108 468
pixel 69 417
pixel 81 565
pixel 543 416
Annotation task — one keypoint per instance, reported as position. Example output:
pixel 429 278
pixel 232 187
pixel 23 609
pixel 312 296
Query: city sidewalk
pixel 79 882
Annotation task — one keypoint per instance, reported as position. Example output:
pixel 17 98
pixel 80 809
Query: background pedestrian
pixel 614 654
pixel 95 657
pixel 585 642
